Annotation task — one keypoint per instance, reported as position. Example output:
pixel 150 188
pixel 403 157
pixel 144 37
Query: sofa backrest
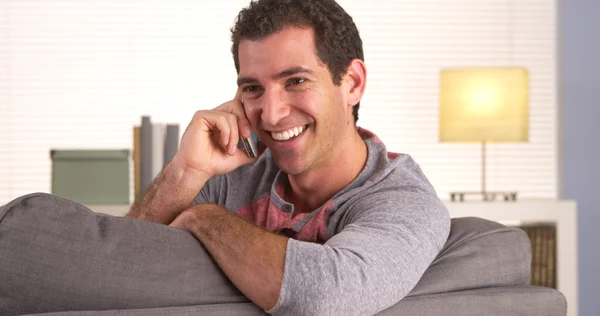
pixel 96 262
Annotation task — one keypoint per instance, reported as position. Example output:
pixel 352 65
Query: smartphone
pixel 250 145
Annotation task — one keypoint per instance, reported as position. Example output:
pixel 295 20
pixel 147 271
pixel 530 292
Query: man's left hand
pixel 251 257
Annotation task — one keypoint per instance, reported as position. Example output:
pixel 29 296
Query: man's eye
pixel 295 81
pixel 250 89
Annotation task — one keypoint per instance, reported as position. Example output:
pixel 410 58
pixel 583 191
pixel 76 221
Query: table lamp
pixel 484 105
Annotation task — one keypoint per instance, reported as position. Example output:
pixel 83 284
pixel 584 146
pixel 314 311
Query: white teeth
pixel 285 135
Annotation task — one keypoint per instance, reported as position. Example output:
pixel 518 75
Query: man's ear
pixel 355 81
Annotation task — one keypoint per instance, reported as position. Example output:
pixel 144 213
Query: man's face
pixel 291 101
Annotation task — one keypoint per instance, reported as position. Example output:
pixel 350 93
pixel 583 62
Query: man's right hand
pixel 208 148
pixel 209 144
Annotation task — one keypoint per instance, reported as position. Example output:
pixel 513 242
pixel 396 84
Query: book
pixel 543 256
pixel 137 163
pixel 171 143
pixel 155 145
pixel 552 258
pixel 538 255
pixel 159 131
pixel 146 151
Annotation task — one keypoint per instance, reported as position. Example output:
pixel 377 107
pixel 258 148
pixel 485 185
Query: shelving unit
pixel 561 213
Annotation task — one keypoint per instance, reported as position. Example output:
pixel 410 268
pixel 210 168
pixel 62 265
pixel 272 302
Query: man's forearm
pixel 250 256
pixel 170 193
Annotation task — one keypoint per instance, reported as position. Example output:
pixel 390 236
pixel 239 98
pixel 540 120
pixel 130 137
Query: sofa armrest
pixel 478 253
pixel 57 255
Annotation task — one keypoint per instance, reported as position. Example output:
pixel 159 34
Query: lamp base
pixel 487 196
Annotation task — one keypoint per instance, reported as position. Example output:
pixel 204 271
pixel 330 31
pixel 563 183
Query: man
pixel 325 221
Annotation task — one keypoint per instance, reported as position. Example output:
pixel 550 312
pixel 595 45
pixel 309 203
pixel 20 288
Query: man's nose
pixel 274 108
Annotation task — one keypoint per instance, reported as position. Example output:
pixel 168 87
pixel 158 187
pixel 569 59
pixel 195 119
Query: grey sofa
pixel 60 258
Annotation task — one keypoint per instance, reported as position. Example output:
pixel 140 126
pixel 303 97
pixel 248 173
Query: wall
pixel 95 66
pixel 579 117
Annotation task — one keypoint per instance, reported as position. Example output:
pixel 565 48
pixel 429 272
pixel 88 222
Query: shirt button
pixel 288 208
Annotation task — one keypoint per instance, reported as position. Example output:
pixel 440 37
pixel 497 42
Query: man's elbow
pixel 325 304
pixel 269 299
pixel 265 292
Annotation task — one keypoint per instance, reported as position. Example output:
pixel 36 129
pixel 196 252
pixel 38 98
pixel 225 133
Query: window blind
pixel 408 42
pixel 5 173
pixel 80 74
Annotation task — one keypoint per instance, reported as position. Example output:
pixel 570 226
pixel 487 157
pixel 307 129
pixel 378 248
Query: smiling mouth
pixel 290 133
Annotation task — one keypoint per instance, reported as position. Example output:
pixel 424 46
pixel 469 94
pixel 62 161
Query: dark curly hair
pixel 337 39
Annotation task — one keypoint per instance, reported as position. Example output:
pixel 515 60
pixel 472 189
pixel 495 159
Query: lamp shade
pixel 484 104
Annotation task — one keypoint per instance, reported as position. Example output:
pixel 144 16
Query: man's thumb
pixel 243 158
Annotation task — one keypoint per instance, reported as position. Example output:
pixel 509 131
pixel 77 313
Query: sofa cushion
pixel 478 253
pixel 508 300
pixel 514 301
pixel 230 309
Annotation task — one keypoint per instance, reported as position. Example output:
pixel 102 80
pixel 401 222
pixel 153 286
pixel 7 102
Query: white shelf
pixel 562 213
pixel 116 210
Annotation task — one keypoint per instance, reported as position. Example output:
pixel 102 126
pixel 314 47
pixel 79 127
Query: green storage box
pixel 91 176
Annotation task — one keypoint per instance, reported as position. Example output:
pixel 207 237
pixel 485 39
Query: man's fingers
pixel 226 124
pixel 233 135
pixel 243 157
pixel 237 108
pixel 222 125
pixel 230 120
pixel 242 120
pixel 244 127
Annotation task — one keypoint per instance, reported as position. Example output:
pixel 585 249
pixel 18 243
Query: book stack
pixel 543 254
pixel 154 145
